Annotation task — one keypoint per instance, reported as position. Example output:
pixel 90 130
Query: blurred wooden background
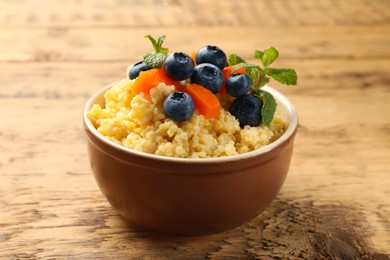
pixel 335 203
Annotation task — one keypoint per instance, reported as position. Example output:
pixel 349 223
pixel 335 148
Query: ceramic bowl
pixel 190 196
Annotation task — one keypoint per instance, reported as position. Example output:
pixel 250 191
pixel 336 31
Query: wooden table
pixel 335 203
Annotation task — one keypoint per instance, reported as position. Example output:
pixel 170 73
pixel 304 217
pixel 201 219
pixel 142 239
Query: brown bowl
pixel 190 196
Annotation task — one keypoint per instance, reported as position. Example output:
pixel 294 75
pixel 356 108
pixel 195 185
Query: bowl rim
pixel 290 131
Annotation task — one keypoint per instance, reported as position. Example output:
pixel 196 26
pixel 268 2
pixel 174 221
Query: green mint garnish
pixel 156 59
pixel 260 76
pixel 234 59
pixel 157 44
pixel 284 75
pixel 267 57
pixel 269 107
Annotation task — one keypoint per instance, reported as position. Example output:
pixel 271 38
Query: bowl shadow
pixel 289 227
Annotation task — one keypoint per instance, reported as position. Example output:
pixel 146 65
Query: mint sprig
pixel 261 75
pixel 156 59
pixel 157 44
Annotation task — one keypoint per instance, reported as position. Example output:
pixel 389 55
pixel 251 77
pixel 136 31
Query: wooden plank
pixel 148 13
pixel 54 55
pixel 119 44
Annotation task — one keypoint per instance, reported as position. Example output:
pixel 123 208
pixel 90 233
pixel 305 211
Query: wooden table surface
pixel 335 203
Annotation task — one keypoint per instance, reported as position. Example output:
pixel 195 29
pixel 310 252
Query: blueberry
pixel 208 76
pixel 238 84
pixel 179 106
pixel 211 54
pixel 247 109
pixel 179 66
pixel 137 68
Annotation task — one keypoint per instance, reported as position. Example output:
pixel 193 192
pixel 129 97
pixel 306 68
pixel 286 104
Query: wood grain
pixel 335 202
pixel 149 13
pixel 109 44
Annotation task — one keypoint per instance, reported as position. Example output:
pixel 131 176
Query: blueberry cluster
pixel 207 72
pixel 246 107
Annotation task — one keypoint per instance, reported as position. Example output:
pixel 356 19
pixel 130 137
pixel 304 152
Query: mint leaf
pixel 269 56
pixel 154 60
pixel 234 59
pixel 269 107
pixel 259 54
pixel 157 44
pixel 283 75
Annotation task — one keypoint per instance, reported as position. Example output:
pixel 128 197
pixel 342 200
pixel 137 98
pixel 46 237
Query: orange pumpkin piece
pixel 149 79
pixel 205 101
pixel 193 57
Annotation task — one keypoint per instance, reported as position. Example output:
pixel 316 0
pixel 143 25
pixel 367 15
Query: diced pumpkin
pixel 193 57
pixel 149 79
pixel 205 101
